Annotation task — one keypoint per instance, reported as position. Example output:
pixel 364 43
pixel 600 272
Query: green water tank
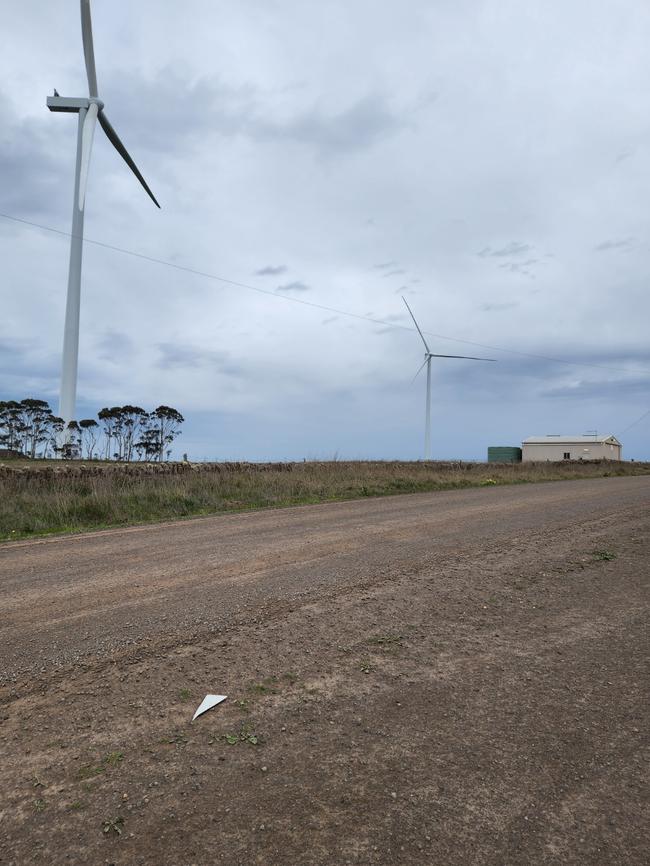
pixel 504 454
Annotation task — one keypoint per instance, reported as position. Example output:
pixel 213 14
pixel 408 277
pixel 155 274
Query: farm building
pixel 541 448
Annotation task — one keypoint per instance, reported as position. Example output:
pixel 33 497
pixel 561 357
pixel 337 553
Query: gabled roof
pixel 561 439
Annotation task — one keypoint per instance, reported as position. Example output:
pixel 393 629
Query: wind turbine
pixel 89 110
pixel 428 355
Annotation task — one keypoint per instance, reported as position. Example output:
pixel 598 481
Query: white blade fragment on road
pixel 207 703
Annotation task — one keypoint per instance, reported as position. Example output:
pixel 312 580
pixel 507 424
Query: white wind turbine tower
pixel 89 110
pixel 428 355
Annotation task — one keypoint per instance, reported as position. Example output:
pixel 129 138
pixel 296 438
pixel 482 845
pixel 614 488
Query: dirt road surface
pixel 451 678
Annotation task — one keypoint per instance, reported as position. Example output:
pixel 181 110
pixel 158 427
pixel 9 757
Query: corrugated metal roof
pixel 570 440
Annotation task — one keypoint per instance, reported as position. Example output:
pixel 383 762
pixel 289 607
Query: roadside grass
pixel 604 555
pixel 41 498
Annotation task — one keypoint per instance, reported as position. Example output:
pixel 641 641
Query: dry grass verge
pixel 38 499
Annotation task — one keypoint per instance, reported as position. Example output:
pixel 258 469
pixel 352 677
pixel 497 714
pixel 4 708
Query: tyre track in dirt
pixel 69 597
pixel 461 680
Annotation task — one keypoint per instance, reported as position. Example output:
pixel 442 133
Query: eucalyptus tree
pixel 36 417
pixel 71 447
pixel 133 420
pixel 11 425
pixel 166 421
pixel 108 419
pixel 53 443
pixel 89 435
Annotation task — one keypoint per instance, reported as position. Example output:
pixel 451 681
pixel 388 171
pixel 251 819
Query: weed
pixel 385 639
pixel 74 806
pixel 89 772
pixel 184 695
pixel 178 738
pixel 604 555
pixel 39 805
pixel 365 667
pixel 243 705
pixel 36 783
pixel 113 825
pixel 113 759
pixel 244 735
pixel 266 687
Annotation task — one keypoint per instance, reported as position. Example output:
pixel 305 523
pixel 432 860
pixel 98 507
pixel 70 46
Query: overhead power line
pixel 314 304
pixel 634 423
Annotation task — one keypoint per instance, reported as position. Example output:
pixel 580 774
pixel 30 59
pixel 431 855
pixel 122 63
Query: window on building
pixel 567 455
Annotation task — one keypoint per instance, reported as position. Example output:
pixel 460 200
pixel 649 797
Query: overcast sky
pixel 489 159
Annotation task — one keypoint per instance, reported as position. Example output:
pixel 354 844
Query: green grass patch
pixel 41 498
pixel 604 555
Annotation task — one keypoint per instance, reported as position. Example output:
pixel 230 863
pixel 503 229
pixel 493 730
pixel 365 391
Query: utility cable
pixel 314 304
pixel 634 423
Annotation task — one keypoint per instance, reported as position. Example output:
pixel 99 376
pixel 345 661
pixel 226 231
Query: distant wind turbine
pixel 89 110
pixel 428 355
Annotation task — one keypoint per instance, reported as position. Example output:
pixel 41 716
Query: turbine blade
pixel 416 324
pixel 123 152
pixel 87 134
pixel 464 357
pixel 420 368
pixel 89 53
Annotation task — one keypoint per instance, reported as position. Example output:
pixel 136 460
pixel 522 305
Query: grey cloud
pixel 385 265
pixel 33 157
pixel 622 244
pixel 357 127
pixel 271 271
pixel 159 112
pixel 170 100
pixel 496 308
pixel 396 273
pixel 528 376
pixel 514 248
pixel 520 267
pixel 114 346
pixel 636 388
pixel 296 286
pixel 176 356
pixel 25 371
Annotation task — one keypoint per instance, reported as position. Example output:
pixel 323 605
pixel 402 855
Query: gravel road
pixel 436 678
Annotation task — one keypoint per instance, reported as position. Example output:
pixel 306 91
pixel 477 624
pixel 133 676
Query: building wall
pixel 555 451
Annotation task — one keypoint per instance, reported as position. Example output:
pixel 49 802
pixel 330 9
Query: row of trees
pixel 120 433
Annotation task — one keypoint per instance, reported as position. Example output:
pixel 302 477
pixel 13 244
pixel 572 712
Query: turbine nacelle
pixel 93 107
pixel 67 103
